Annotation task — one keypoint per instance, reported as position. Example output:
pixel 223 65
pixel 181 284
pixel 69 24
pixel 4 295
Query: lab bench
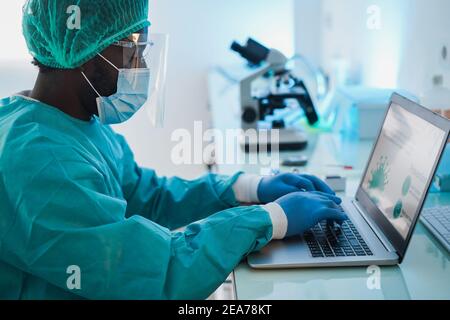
pixel 424 272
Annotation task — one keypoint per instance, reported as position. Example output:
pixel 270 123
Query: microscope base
pixel 289 141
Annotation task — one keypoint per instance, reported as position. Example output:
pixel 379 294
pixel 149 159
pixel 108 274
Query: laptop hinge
pixel 384 241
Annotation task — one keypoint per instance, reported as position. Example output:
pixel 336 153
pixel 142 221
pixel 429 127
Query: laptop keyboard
pixel 439 219
pixel 325 240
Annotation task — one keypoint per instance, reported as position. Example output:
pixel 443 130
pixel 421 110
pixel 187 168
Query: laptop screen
pixel 402 165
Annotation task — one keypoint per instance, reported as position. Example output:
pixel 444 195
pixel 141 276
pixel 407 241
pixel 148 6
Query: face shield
pixel 147 52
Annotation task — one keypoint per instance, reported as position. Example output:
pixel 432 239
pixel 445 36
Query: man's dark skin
pixel 68 90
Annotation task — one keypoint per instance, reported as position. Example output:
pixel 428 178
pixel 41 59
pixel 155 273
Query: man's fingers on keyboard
pixel 319 184
pixel 333 223
pixel 333 214
pixel 331 204
pixel 331 197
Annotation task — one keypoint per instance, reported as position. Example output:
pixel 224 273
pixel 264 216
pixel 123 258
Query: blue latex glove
pixel 306 209
pixel 273 188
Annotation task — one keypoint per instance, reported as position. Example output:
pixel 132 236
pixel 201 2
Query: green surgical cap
pixel 67 33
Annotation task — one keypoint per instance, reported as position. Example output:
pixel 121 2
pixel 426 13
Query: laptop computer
pixel 437 221
pixel 385 210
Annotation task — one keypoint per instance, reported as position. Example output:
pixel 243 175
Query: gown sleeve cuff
pixel 279 220
pixel 246 188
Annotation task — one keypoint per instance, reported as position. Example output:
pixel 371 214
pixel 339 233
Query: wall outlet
pixel 444 56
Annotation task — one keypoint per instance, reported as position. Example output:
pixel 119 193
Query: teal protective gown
pixel 71 194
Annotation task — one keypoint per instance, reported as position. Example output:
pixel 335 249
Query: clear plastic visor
pixel 148 51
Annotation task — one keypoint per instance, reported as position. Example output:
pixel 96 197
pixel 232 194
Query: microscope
pixel 272 97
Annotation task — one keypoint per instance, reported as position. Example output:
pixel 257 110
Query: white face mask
pixel 132 93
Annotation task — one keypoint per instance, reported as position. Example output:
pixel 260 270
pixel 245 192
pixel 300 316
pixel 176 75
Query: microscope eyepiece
pixel 237 47
pixel 254 52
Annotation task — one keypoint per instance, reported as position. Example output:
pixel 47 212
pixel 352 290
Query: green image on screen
pixel 406 186
pixel 398 209
pixel 379 176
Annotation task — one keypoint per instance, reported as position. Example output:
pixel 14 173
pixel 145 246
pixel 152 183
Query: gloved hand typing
pixel 273 188
pixel 302 211
pixel 257 189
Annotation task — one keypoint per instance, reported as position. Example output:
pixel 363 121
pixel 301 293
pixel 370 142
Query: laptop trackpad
pixel 288 251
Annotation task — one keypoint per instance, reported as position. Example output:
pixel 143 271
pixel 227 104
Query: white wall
pixel 16 71
pixel 428 31
pixel 403 53
pixel 11 31
pixel 201 32
pixel 308 29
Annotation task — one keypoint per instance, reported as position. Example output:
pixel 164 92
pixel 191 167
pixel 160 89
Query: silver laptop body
pixel 384 229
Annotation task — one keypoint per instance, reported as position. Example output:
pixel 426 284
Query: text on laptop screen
pixel 401 166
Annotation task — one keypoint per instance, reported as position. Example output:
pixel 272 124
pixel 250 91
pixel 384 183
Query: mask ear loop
pixel 90 83
pixel 109 62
